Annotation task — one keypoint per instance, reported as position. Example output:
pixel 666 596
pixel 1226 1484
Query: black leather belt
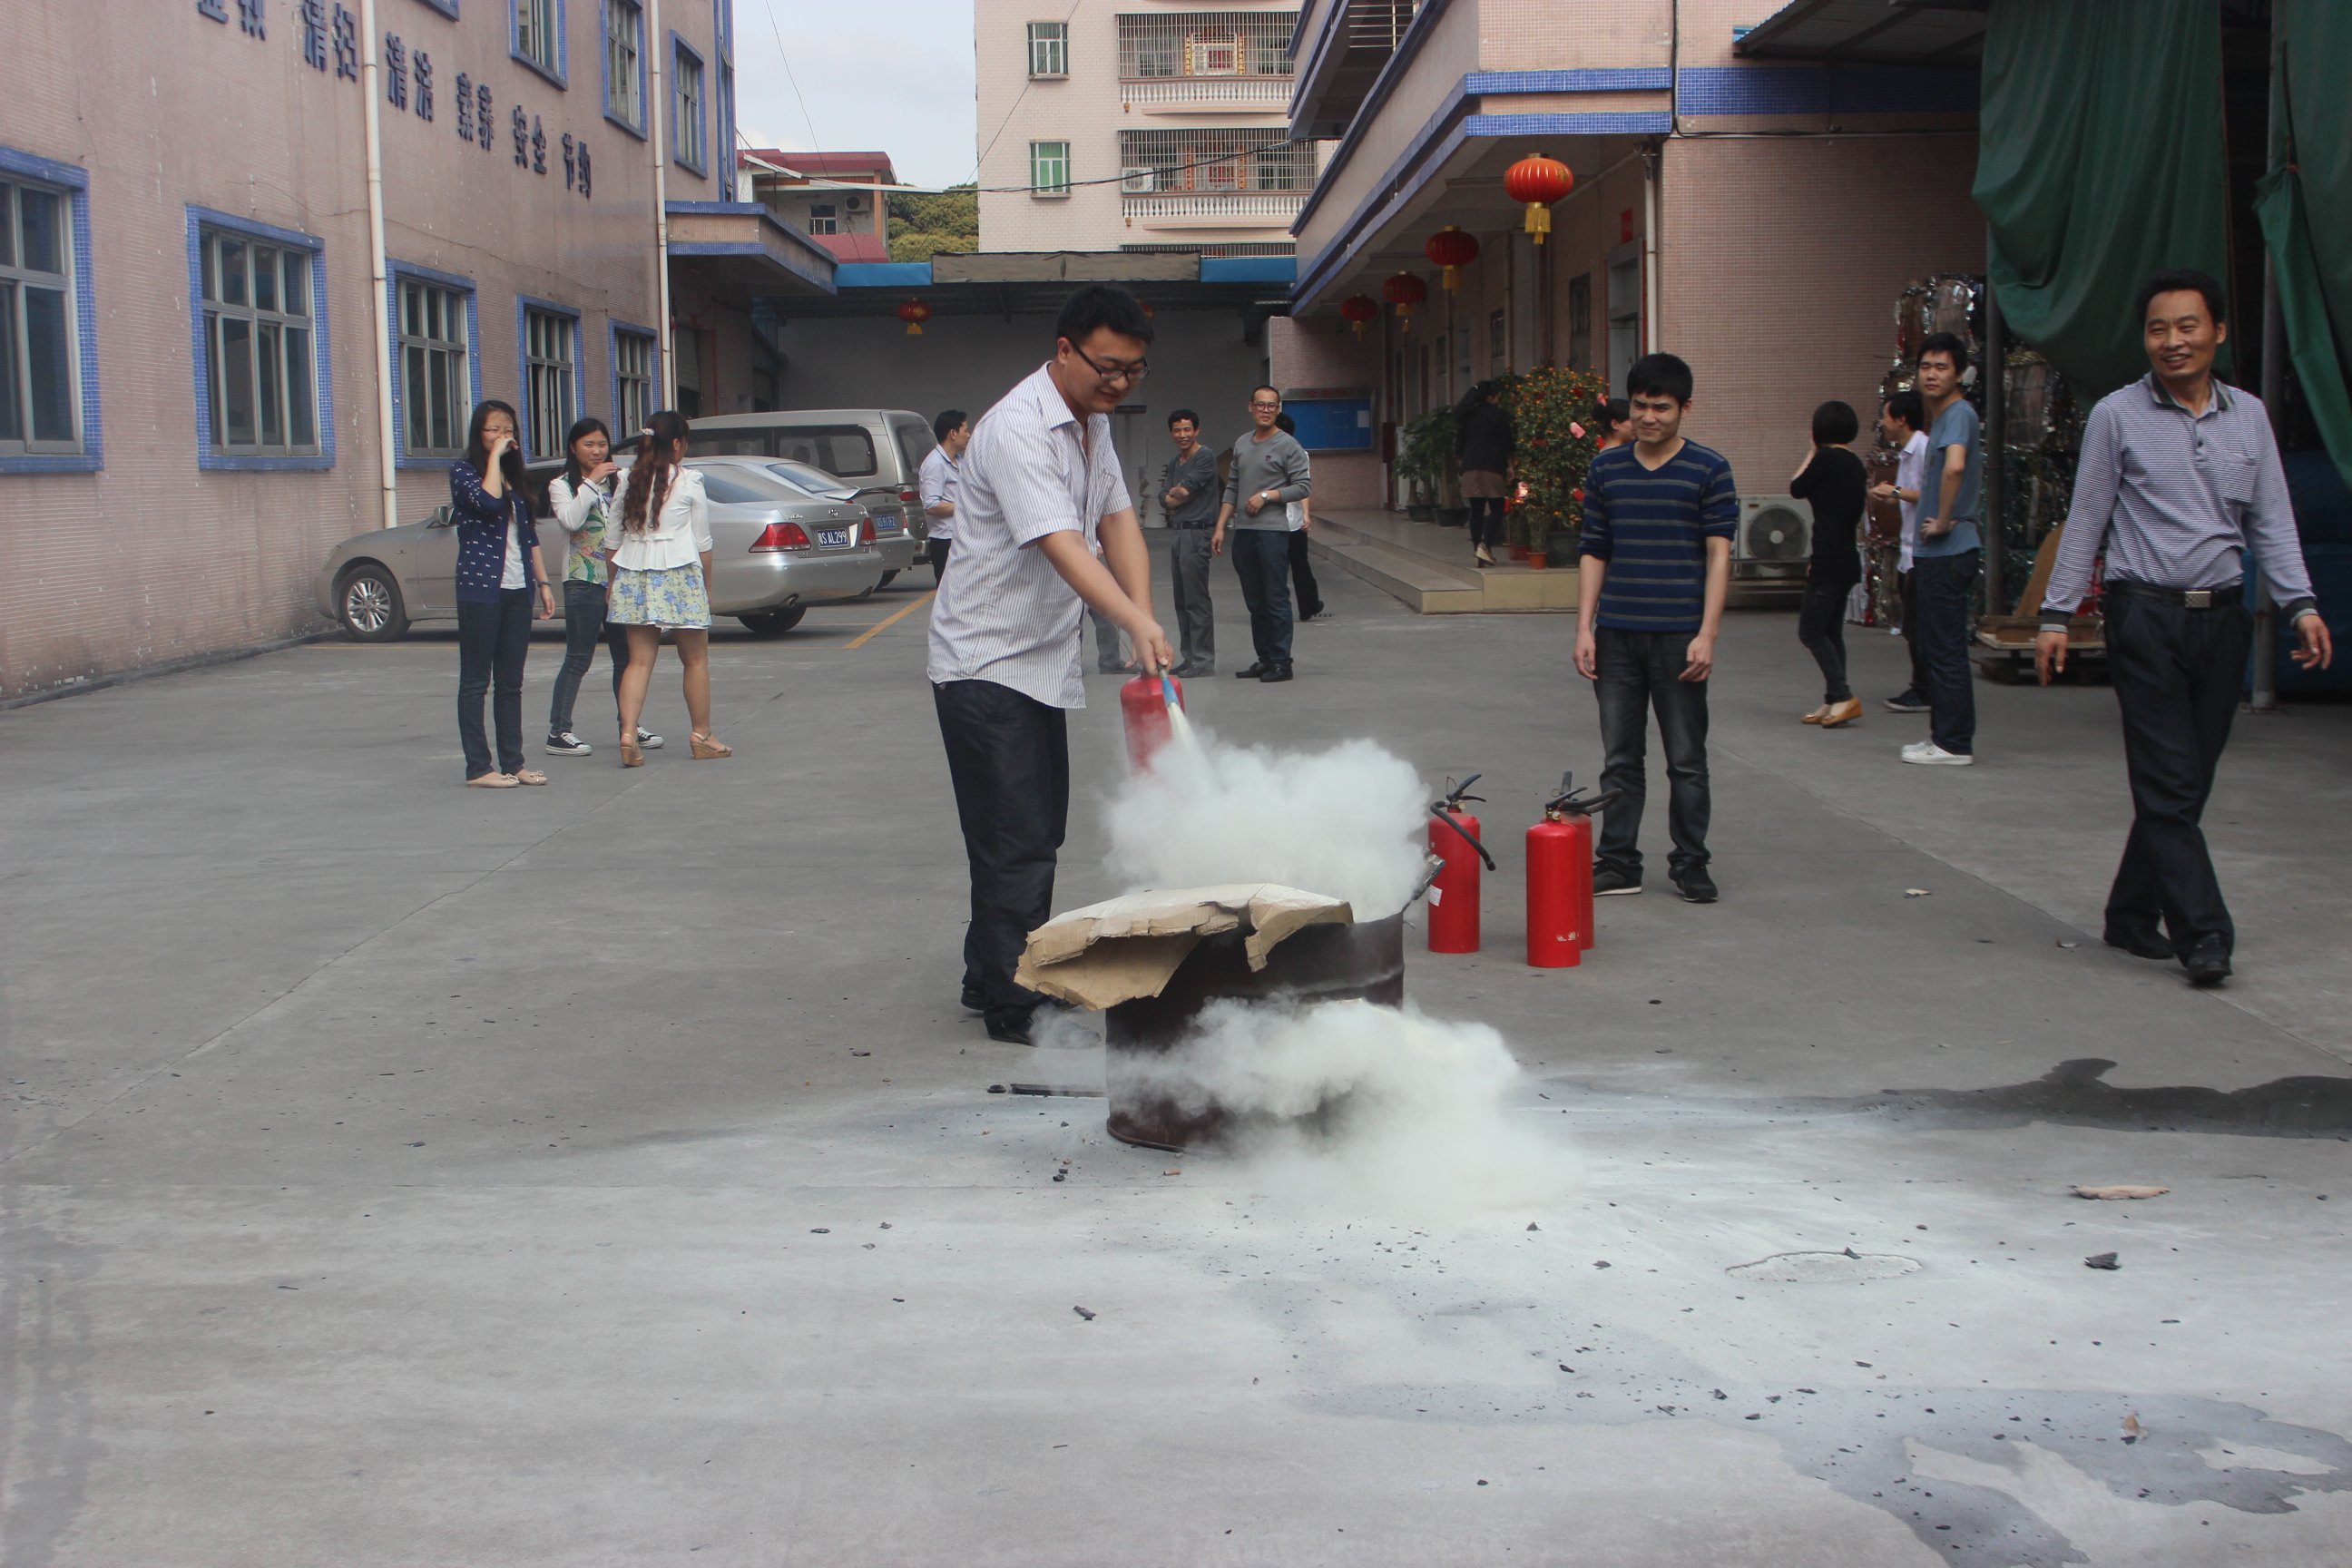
pixel 2183 598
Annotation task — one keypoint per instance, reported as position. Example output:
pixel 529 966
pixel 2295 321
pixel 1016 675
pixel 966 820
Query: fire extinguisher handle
pixel 1466 835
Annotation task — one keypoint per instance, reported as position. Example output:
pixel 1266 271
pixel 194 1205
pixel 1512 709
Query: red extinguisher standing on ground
pixel 1453 895
pixel 1559 879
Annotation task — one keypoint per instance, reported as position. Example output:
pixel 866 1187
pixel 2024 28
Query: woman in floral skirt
pixel 661 568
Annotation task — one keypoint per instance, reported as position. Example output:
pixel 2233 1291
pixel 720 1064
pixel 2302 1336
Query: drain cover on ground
pixel 1810 1267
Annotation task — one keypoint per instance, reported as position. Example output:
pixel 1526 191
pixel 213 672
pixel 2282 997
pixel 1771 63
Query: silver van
pixel 878 451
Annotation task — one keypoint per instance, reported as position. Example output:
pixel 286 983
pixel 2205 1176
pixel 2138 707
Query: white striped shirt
pixel 941 481
pixel 1004 613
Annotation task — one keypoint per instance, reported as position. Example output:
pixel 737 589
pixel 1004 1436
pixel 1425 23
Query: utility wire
pixel 814 143
pixel 1159 169
pixel 1001 124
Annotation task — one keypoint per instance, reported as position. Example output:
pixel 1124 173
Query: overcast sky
pixel 890 74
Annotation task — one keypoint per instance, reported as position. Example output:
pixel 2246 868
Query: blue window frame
pixel 547 361
pixel 436 364
pixel 48 325
pixel 689 108
pixel 265 388
pixel 722 26
pixel 632 351
pixel 446 7
pixel 622 39
pixel 537 35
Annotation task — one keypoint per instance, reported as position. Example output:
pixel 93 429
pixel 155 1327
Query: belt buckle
pixel 2197 598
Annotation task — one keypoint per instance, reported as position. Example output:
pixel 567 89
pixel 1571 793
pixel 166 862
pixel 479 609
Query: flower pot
pixel 1453 517
pixel 1537 561
pixel 1421 513
pixel 1560 545
pixel 1519 553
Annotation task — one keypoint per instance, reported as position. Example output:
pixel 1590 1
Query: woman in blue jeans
pixel 581 499
pixel 501 579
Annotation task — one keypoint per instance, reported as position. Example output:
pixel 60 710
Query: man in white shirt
pixel 938 483
pixel 1900 420
pixel 1040 487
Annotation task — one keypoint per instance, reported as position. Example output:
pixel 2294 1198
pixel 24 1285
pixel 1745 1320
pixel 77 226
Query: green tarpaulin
pixel 2306 207
pixel 2099 161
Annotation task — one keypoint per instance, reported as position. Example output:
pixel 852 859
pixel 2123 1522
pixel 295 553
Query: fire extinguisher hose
pixel 1467 838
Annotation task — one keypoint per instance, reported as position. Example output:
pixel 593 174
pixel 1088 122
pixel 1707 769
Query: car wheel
pixel 886 579
pixel 773 622
pixel 367 602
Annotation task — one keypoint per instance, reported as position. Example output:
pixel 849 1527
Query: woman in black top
pixel 1481 444
pixel 1835 480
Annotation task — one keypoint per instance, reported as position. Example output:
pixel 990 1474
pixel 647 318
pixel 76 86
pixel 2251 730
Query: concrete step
pixel 1424 566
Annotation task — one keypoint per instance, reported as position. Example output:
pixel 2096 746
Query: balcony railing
pixel 1271 206
pixel 1267 94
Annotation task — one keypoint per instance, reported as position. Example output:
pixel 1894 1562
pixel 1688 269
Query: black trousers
pixel 492 641
pixel 936 549
pixel 1821 626
pixel 1944 584
pixel 1303 587
pixel 583 626
pixel 1639 671
pixel 1906 589
pixel 1196 621
pixel 1009 755
pixel 2177 674
pixel 1261 560
pixel 1486 520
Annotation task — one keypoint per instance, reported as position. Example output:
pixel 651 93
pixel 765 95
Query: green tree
pixel 922 222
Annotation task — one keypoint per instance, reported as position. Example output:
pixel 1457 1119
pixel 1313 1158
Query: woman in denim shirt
pixel 501 579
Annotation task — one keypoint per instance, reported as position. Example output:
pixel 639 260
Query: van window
pixel 914 444
pixel 847 450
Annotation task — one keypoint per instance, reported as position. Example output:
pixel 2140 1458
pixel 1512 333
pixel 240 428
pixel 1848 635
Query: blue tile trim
pixel 605 69
pixel 726 209
pixel 322 371
pixel 1639 79
pixel 726 129
pixel 614 327
pixel 446 7
pixel 75 181
pixel 678 47
pixel 394 271
pixel 1827 89
pixel 1654 123
pixel 522 360
pixel 561 75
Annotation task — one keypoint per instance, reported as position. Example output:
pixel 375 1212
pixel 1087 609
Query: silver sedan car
pixel 899 525
pixel 776 549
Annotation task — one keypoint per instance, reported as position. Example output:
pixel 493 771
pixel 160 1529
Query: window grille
pixel 434 384
pixel 1205 43
pixel 1049 168
pixel 1049 48
pixel 547 364
pixel 1218 160
pixel 38 411
pixel 1238 247
pixel 257 346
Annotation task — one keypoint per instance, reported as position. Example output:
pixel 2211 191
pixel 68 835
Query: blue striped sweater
pixel 1652 528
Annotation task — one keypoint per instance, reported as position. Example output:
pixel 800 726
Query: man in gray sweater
pixel 1269 472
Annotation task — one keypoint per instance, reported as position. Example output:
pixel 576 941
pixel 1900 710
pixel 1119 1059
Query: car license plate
pixel 831 538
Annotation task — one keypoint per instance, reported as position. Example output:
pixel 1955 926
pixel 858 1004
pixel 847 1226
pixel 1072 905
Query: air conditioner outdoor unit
pixel 856 203
pixel 1133 182
pixel 1776 534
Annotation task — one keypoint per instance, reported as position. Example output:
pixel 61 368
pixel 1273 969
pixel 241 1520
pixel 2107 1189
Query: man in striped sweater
pixel 1659 516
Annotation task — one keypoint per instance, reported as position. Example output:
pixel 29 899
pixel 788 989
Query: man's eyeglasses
pixel 1273 405
pixel 1128 372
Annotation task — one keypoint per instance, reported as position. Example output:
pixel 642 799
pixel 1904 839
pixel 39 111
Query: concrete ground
pixel 309 1258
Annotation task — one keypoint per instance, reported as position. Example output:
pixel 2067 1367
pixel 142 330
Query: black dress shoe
pixel 975 1000
pixel 2138 943
pixel 1696 886
pixel 1280 672
pixel 1251 673
pixel 1014 1030
pixel 2209 961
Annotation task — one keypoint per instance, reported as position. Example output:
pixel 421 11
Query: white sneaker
pixel 648 740
pixel 1927 754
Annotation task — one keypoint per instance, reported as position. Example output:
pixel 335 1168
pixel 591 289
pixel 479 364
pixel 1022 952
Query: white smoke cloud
pixel 1347 823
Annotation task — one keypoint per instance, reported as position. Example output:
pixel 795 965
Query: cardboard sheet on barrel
pixel 1128 947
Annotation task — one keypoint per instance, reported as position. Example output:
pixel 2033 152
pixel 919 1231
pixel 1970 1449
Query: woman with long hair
pixel 661 575
pixel 501 579
pixel 582 499
pixel 1482 443
pixel 1615 415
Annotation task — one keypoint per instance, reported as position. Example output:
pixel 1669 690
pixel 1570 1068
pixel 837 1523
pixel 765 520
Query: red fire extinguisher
pixel 1559 879
pixel 1143 703
pixel 1453 894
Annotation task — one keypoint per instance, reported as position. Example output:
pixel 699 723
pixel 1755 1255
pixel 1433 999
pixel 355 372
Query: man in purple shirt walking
pixel 2179 475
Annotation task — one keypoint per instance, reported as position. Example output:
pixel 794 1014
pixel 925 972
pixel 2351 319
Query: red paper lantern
pixel 1451 248
pixel 1404 291
pixel 1538 180
pixel 1359 308
pixel 914 312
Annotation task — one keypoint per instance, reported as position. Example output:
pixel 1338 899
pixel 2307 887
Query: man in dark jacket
pixel 1482 442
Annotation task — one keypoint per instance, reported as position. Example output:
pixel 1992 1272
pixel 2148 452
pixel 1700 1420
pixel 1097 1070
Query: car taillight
pixel 866 532
pixel 782 536
pixel 909 495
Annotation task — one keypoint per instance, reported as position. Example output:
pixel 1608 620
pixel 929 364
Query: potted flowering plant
pixel 1553 447
pixel 1425 457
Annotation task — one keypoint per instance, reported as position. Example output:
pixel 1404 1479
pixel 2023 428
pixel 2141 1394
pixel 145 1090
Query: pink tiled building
pixel 1757 217
pixel 192 402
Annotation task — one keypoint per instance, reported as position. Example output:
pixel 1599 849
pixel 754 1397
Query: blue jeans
pixel 1943 582
pixel 1261 558
pixel 583 624
pixel 1639 671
